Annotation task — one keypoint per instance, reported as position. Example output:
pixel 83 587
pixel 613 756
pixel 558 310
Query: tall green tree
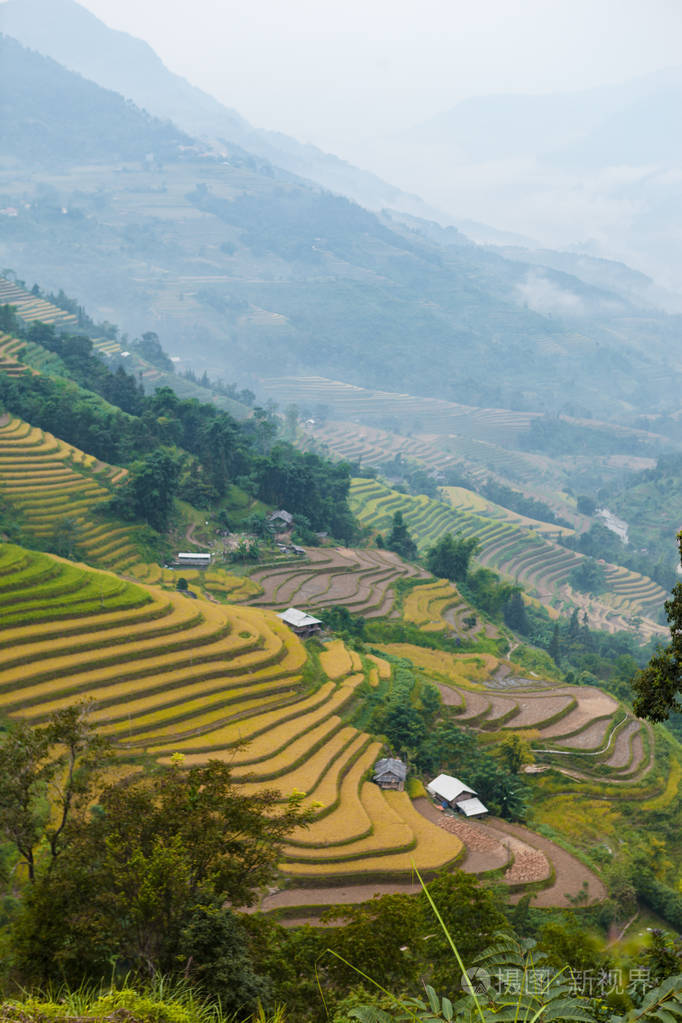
pixel 399 539
pixel 449 558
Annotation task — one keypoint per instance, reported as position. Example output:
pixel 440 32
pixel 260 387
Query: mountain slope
pixel 70 34
pixel 52 116
pixel 244 269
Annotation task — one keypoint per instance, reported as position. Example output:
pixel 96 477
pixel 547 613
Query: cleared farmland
pixel 349 402
pixel 55 488
pixel 360 580
pixel 578 730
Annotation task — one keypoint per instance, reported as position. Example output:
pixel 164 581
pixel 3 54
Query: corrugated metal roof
pixel 447 787
pixel 298 619
pixel 390 764
pixel 471 807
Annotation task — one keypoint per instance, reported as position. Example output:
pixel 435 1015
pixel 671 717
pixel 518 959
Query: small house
pixel 451 792
pixel 390 773
pixel 187 559
pixel 281 520
pixel 300 622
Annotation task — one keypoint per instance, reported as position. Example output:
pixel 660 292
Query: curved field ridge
pixel 578 730
pixel 518 552
pixel 154 665
pixel 31 308
pixel 349 402
pixel 54 487
pixel 167 674
pixel 360 580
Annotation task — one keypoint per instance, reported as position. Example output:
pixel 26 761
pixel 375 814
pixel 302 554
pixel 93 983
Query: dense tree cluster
pixel 449 557
pixel 108 414
pixel 399 539
pixel 136 873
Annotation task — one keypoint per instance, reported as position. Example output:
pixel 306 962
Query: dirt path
pixel 570 872
pixel 190 537
pixel 483 851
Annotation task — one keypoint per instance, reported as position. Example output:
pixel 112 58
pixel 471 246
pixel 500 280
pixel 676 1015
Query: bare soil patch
pixel 592 703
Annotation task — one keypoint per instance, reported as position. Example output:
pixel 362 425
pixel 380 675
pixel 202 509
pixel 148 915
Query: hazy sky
pixel 335 71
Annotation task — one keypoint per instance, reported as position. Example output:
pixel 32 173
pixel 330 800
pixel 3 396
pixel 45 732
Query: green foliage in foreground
pixel 659 685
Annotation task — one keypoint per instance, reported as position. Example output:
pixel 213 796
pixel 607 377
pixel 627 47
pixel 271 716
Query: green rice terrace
pixel 539 476
pixel 33 309
pixel 51 483
pixel 522 553
pixel 165 675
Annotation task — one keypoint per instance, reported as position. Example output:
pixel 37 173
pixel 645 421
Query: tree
pixel 449 558
pixel 133 875
pixel 149 348
pixel 588 576
pixel 659 685
pixel 554 648
pixel 515 615
pixel 149 491
pixel 44 774
pixel 515 751
pixel 399 539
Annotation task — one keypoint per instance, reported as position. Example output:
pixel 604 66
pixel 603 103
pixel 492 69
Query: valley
pixel 336 558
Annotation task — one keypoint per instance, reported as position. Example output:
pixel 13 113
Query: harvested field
pixel 592 703
pixel 360 580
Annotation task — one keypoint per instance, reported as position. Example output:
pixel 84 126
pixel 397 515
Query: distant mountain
pixel 595 170
pixel 72 35
pixel 630 123
pixel 249 272
pixel 52 117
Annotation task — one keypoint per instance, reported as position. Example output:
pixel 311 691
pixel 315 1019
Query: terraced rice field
pixel 372 446
pixel 519 553
pixel 10 363
pixel 438 607
pixel 49 481
pixel 31 308
pixel 165 674
pixel 38 310
pixel 349 402
pixel 360 580
pixel 579 730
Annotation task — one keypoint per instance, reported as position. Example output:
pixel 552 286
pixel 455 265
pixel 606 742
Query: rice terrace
pixel 340 508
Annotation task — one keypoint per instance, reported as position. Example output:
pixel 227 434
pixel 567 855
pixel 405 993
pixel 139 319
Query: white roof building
pixel 450 789
pixel 457 795
pixel 303 624
pixel 298 619
pixel 472 807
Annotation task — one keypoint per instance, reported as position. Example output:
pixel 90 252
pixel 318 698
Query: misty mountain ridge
pixel 530 145
pixel 52 119
pixel 76 38
pixel 578 127
pixel 249 270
